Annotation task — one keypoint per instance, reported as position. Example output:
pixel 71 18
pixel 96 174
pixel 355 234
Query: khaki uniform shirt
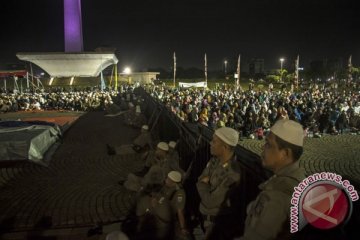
pixel 268 216
pixel 143 140
pixel 176 196
pixel 213 194
pixel 157 205
pixel 174 162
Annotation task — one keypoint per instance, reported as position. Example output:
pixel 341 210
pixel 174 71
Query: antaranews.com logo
pixel 323 200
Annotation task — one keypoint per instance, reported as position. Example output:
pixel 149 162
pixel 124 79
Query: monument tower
pixel 73 26
pixel 74 62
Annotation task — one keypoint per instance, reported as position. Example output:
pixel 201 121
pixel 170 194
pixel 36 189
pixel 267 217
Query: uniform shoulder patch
pixel 260 203
pixel 180 198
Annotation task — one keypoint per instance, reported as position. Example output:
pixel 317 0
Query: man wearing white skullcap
pixel 174 158
pixel 175 193
pixel 268 215
pixel 217 179
pixel 154 172
pixel 141 144
pixel 144 141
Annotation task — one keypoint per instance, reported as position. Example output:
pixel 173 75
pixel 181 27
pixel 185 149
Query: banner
pixel 188 85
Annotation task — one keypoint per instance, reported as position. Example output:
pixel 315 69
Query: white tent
pixel 83 64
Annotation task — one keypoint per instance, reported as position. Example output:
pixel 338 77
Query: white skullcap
pixel 163 146
pixel 145 127
pixel 172 144
pixel 228 135
pixel 138 110
pixel 131 105
pixel 289 131
pixel 175 176
pixel 116 235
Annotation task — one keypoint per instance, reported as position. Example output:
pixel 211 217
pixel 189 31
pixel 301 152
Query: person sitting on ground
pixel 175 194
pixel 174 158
pixel 141 143
pixel 268 215
pixel 154 214
pixel 139 119
pixel 144 141
pixel 154 172
pixel 130 115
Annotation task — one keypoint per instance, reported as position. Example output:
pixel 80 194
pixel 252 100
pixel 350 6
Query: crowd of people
pixel 74 100
pixel 319 109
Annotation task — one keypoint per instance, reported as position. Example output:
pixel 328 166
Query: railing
pixel 194 150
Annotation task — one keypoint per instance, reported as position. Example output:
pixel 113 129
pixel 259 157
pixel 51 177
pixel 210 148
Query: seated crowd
pixel 251 112
pixel 89 99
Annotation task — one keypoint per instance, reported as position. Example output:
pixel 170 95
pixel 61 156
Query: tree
pixel 273 78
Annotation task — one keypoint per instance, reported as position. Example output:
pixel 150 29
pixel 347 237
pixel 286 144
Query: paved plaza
pixel 78 189
pixel 339 154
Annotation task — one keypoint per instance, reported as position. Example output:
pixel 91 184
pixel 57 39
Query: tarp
pixel 84 64
pixel 27 142
pixel 188 85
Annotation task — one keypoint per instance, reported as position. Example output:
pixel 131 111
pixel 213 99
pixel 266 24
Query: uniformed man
pixel 144 141
pixel 268 216
pixel 173 158
pixel 154 213
pixel 139 118
pixel 159 156
pixel 215 182
pixel 176 195
pixel 141 143
pixel 130 115
pixel 154 172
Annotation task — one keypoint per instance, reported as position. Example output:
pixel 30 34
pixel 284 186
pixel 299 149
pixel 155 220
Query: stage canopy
pixel 83 64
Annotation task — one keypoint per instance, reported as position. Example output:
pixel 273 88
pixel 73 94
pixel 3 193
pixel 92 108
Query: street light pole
pixel 225 62
pixel 281 67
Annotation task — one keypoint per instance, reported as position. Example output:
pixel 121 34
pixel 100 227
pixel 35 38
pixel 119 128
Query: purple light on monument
pixel 73 26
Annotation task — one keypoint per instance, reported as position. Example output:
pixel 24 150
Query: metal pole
pixel 238 72
pixel 116 77
pixel 32 77
pixel 205 70
pixel 297 72
pixel 174 70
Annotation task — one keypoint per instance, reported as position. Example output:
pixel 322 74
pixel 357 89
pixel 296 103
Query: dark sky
pixel 146 33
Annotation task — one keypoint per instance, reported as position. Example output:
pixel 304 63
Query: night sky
pixel 146 33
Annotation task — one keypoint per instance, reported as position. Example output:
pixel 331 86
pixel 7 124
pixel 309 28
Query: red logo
pixel 325 206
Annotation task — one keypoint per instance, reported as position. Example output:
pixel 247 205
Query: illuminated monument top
pixel 74 62
pixel 73 26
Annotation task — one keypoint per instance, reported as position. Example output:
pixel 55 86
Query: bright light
pixel 282 59
pixel 127 70
pixel 51 81
pixel 71 81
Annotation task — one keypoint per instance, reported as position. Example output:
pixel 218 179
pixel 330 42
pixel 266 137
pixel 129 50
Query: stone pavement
pixel 339 154
pixel 78 189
